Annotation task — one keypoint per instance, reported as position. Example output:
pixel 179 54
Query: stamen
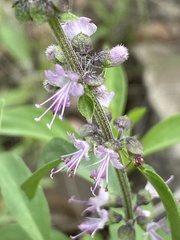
pixel 37 119
pixel 38 105
pixel 52 173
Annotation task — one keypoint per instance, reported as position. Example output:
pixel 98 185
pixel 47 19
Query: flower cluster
pixel 94 146
pixel 144 218
pixel 63 82
pixel 99 209
pixel 73 160
pixel 95 206
pixel 66 85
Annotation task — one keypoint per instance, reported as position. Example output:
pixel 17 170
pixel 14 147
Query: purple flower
pixel 152 227
pixel 92 224
pixel 103 96
pixel 67 85
pixel 50 52
pixel 118 55
pixel 153 191
pixel 94 203
pixel 140 212
pixel 107 156
pixel 81 25
pixel 73 160
pixel 111 57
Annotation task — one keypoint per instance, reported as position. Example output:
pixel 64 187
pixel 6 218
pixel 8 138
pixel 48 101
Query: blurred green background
pixel 151 31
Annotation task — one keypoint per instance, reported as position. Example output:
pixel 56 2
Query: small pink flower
pixel 103 96
pixel 107 156
pixel 144 213
pixel 94 203
pixel 118 55
pixel 153 226
pixel 66 84
pixel 81 25
pixel 92 224
pixel 73 160
pixel 111 57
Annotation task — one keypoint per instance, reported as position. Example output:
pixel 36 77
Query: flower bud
pixel 143 197
pixel 143 221
pixel 111 58
pixel 82 43
pixel 118 55
pixel 123 123
pixel 94 140
pixel 22 8
pixel 49 87
pixel 93 80
pixel 133 145
pixel 62 5
pixel 116 201
pixel 55 54
pixel 114 217
pixel 41 11
pixel 103 96
pixel 86 130
pixel 50 53
pixel 126 232
pixel 101 58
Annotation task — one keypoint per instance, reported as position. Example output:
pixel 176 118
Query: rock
pixel 161 64
pixel 161 76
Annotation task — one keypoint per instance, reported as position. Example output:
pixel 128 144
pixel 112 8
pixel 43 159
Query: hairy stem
pixel 101 117
pixel 126 191
pixel 65 45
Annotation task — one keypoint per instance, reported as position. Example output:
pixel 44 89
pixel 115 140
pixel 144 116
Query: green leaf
pixel 86 106
pixel 12 36
pixel 116 81
pixel 162 135
pixel 12 232
pixel 32 216
pixel 136 114
pixel 23 92
pixel 68 16
pixel 113 231
pixel 53 150
pixel 1 110
pixel 167 198
pixel 15 232
pixel 97 236
pixel 19 121
pixel 113 184
pixel 31 184
pixel 56 235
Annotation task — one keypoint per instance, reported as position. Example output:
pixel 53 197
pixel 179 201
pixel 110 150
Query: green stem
pixel 99 113
pixel 126 192
pixel 101 117
pixel 65 45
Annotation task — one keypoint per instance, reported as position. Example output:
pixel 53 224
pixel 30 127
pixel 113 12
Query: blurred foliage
pixel 22 61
